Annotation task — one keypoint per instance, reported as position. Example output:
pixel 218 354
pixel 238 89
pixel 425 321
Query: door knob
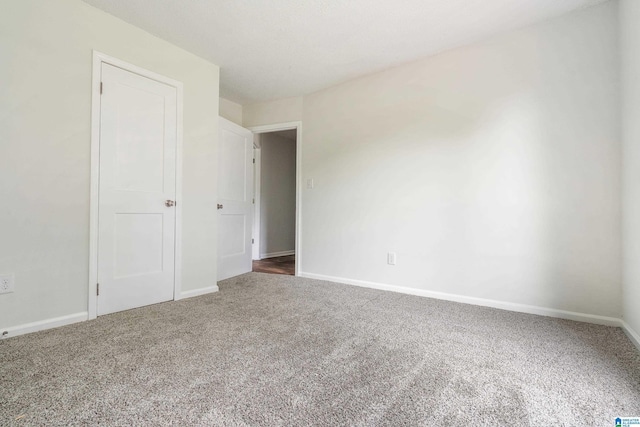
pixel 220 206
pixel 169 203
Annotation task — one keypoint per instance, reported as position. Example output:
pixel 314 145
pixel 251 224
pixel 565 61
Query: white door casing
pixel 258 130
pixel 137 178
pixel 235 194
pixel 255 241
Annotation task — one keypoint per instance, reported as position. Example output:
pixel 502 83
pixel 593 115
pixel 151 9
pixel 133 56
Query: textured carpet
pixel 279 265
pixel 271 350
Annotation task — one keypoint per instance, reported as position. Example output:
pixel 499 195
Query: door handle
pixel 220 206
pixel 169 203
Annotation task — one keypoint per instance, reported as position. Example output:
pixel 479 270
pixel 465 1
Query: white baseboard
pixel 56 322
pixel 198 292
pixel 633 335
pixel 277 254
pixel 503 305
pixel 41 325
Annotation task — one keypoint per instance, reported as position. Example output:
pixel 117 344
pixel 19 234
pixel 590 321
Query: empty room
pixel 328 213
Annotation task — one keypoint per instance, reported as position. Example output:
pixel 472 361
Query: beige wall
pixel 493 171
pixel 630 53
pixel 267 113
pixel 45 109
pixel 231 111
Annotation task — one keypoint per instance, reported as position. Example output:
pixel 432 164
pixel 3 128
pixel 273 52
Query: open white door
pixel 137 190
pixel 235 199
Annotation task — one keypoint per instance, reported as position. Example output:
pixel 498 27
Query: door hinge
pixel 100 88
pixel 253 201
pixel 254 160
pixel 98 289
pixel 252 241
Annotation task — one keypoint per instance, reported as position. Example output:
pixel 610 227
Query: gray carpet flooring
pixel 271 350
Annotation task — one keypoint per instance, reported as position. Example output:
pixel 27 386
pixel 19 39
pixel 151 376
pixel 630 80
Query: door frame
pixel 257 158
pixel 297 125
pixel 99 59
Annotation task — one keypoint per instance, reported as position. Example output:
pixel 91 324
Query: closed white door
pixel 235 195
pixel 136 230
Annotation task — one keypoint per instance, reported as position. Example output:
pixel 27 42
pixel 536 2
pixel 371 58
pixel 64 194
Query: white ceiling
pixel 270 49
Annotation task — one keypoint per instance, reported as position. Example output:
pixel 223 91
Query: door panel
pixel 138 244
pixel 136 237
pixel 139 140
pixel 233 229
pixel 235 199
pixel 234 176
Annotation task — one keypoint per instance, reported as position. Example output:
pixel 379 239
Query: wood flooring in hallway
pixel 279 265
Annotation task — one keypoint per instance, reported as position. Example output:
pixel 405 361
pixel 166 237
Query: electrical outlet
pixel 7 282
pixel 391 258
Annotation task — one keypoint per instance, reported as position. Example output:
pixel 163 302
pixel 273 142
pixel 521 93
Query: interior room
pixel 320 213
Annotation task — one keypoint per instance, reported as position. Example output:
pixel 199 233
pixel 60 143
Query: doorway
pixel 276 227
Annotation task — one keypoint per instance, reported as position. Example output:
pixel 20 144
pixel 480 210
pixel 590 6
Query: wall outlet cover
pixel 7 282
pixel 391 258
